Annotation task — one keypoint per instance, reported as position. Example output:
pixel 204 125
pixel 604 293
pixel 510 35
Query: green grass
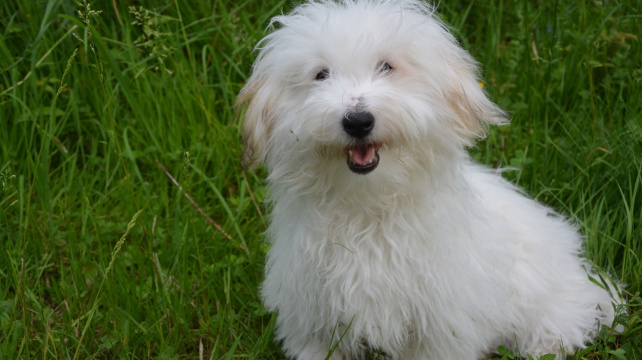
pixel 103 256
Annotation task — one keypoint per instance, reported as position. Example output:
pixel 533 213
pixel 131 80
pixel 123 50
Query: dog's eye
pixel 384 68
pixel 322 75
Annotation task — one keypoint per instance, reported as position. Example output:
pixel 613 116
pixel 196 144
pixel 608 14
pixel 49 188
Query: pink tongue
pixel 361 155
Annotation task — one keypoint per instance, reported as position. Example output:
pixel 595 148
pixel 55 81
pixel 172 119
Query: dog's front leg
pixel 313 349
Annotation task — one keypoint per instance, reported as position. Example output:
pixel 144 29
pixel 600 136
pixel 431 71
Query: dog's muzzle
pixel 362 157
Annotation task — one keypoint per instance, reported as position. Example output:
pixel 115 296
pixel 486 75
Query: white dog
pixel 385 236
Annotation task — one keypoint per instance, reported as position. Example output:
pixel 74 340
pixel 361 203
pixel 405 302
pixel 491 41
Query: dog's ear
pixel 257 120
pixel 466 96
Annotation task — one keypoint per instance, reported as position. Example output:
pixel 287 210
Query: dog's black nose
pixel 358 124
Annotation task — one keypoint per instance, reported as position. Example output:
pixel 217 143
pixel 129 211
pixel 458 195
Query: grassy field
pixel 129 230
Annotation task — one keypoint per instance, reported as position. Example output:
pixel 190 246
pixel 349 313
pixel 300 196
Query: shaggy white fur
pixel 384 233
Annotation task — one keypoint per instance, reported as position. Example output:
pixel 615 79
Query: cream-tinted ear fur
pixel 475 112
pixel 257 120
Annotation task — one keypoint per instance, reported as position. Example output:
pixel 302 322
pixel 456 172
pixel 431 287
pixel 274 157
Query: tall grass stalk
pixel 95 303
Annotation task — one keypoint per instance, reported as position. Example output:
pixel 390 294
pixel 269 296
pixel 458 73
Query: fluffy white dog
pixel 385 236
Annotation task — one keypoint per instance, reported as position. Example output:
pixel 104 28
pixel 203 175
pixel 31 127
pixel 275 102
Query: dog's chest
pixel 375 278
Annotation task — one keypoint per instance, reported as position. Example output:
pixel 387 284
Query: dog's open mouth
pixel 362 159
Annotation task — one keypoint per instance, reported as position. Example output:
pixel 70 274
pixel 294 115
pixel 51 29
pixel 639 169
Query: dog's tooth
pixel 350 154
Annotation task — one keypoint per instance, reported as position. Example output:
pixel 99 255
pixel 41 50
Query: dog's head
pixel 361 80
